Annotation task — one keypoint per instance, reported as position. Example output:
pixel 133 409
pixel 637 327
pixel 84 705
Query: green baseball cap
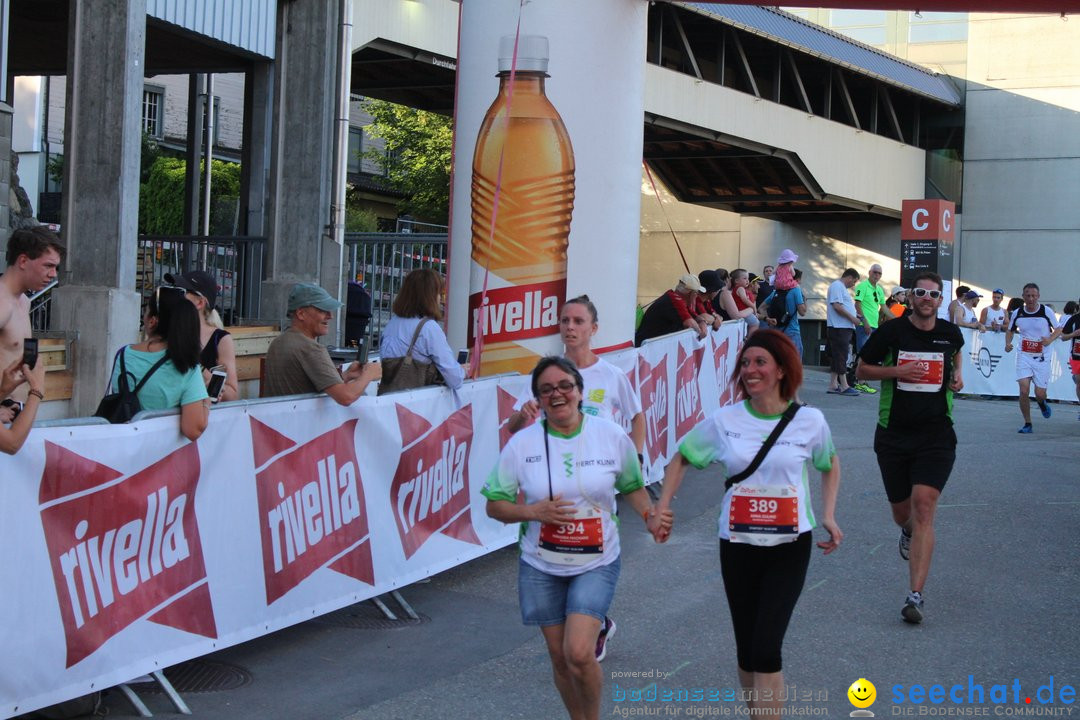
pixel 309 295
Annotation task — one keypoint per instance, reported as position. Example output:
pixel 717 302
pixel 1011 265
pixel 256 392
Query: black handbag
pixel 122 405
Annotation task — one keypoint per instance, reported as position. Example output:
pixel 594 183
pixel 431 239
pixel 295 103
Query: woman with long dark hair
pixel 766 517
pixel 170 356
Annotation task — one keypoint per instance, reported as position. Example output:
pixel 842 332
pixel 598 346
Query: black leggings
pixel 762 585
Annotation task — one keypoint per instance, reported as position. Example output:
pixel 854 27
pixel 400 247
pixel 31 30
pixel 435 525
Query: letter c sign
pixel 928 220
pixel 916 222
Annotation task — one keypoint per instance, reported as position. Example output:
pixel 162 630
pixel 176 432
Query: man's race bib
pixel 1031 346
pixel 931 374
pixel 575 543
pixel 763 515
pixel 1076 348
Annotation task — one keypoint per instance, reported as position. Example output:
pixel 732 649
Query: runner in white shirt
pixel 1037 326
pixel 568 468
pixel 608 394
pixel 766 518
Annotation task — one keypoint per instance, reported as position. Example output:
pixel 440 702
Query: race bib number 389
pixel 763 515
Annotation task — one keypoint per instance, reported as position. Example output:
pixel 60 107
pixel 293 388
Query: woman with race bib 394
pixel 568 468
pixel 766 514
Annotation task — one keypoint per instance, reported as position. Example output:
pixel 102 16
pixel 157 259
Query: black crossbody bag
pixel 786 418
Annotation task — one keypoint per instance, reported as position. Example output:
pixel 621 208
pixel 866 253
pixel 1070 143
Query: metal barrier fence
pixel 379 261
pixel 41 308
pixel 235 262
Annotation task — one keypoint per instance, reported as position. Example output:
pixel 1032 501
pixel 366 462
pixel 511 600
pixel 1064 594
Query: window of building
pixel 153 112
pixel 855 18
pixel 937 27
pixel 356 147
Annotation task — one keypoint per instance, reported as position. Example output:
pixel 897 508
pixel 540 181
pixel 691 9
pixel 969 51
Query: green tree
pixel 161 197
pixel 417 157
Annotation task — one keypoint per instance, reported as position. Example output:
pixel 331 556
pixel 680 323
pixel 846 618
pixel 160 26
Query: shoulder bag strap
pixel 119 356
pixel 415 336
pixel 150 372
pixel 765 447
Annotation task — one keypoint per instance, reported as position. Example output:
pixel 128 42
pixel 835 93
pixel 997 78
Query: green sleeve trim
pixel 496 495
pixel 630 478
pixel 823 459
pixel 696 453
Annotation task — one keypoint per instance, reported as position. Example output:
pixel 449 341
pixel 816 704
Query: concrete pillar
pixel 5 173
pixel 301 247
pixel 97 297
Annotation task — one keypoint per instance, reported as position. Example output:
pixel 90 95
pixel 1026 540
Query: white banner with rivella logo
pixel 131 549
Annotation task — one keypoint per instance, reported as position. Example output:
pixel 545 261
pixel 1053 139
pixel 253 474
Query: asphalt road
pixel 1001 606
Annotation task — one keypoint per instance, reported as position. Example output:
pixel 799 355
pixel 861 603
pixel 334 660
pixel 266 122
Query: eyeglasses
pixel 923 292
pixel 563 386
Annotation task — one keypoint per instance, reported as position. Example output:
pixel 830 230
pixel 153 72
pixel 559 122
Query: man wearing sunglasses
pixel 917 360
pixel 1037 326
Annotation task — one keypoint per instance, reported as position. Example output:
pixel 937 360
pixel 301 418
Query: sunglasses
pixel 564 387
pixel 923 292
pixel 157 291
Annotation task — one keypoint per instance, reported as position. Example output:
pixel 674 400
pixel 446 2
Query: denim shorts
pixel 547 599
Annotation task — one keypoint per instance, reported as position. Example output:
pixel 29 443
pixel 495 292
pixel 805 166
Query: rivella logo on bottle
pixel 523 159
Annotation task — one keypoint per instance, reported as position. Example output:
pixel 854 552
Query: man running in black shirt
pixel 917 359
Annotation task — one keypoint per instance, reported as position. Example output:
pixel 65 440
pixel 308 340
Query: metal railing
pixel 235 262
pixel 41 308
pixel 379 261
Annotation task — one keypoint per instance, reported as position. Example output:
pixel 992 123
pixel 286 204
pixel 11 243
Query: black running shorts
pixel 908 459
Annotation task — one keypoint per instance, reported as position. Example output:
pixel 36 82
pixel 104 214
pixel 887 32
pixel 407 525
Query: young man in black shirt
pixel 916 358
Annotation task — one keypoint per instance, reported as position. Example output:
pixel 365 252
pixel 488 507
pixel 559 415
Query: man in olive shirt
pixel 296 363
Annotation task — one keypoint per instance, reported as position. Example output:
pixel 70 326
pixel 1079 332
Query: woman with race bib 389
pixel 766 515
pixel 568 467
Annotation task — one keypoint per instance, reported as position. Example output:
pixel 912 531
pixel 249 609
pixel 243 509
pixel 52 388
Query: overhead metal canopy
pixel 404 75
pixel 38 37
pixel 706 168
pixel 992 6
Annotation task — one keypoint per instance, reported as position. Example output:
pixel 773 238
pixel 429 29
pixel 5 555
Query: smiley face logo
pixel 862 693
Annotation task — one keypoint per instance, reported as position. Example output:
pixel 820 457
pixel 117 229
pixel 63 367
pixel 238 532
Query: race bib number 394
pixel 573 543
pixel 763 515
pixel 931 373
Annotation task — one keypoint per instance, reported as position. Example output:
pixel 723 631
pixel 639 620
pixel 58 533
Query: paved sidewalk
pixel 1001 604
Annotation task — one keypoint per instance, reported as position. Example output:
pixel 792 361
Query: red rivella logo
pixel 122 548
pixel 517 312
pixel 653 389
pixel 430 490
pixel 506 403
pixel 724 378
pixel 688 412
pixel 311 507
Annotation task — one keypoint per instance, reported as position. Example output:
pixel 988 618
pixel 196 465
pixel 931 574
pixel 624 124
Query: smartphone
pixel 30 352
pixel 216 385
pixel 462 357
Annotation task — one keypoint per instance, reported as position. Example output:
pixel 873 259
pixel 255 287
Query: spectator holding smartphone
pixel 218 348
pixel 13 437
pixel 296 363
pixel 170 356
pixel 33 260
